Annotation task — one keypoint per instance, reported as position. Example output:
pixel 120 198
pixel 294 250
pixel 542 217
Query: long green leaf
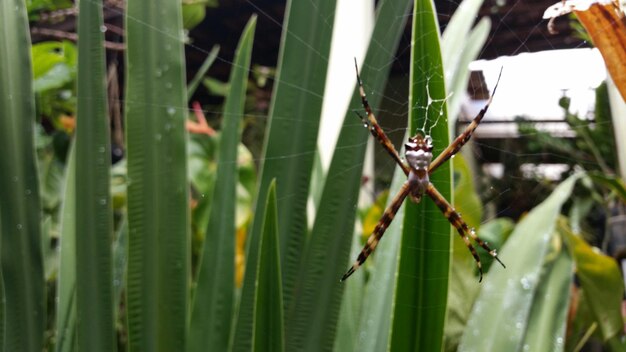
pixel 66 283
pixel 421 292
pixel 290 144
pixel 499 317
pixel 212 310
pixel 23 311
pixel 94 216
pixel 206 65
pixel 311 320
pixel 158 207
pixel 376 318
pixel 601 282
pixel 548 316
pixel 268 309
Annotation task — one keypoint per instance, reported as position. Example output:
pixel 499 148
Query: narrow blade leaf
pixel 94 216
pixel 312 318
pixel 213 302
pixel 421 292
pixel 290 143
pixel 158 207
pixel 20 211
pixel 268 320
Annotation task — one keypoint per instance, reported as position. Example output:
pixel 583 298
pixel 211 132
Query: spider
pixel 418 154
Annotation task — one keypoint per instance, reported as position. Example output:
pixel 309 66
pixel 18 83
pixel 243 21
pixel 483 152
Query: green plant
pixel 291 286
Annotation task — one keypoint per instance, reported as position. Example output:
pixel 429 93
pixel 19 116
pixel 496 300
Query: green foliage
pixel 601 282
pixel 22 309
pixel 527 303
pixel 158 197
pixel 291 297
pixel 268 308
pixel 213 303
pixel 506 300
pixel 421 293
pixel 94 217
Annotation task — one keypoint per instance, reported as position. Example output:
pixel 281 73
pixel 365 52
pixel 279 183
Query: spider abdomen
pixel 418 182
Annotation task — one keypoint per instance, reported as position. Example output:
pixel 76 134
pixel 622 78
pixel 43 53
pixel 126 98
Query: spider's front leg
pixel 374 128
pixel 465 136
pixel 461 227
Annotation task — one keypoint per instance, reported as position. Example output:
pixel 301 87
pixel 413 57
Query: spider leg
pixel 465 136
pixel 455 219
pixel 379 230
pixel 373 126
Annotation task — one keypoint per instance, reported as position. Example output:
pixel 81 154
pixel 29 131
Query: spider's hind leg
pixel 379 230
pixel 455 219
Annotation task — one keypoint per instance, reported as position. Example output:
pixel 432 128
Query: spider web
pixel 392 111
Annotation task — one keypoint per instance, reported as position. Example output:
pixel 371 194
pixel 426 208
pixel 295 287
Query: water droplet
pixel 101 149
pixel 365 125
pixel 103 201
pixel 168 85
pixel 171 110
pixel 526 347
pixel 158 137
pixel 559 341
pixel 158 73
pixel 452 157
pixel 19 227
pixel 519 325
pixel 103 28
pixel 526 284
pixel 28 192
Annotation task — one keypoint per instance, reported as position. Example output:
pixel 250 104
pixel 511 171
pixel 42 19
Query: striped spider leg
pixel 418 153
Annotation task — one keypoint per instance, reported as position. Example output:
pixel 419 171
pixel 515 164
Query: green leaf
pixel 206 65
pixel 422 284
pixel 548 316
pixel 601 281
pixel 613 183
pixel 466 200
pixel 94 215
pixel 500 316
pixel 268 310
pixel 311 318
pixel 376 317
pixel 193 14
pixel 351 303
pixel 66 284
pixel 464 285
pixel 54 65
pixel 22 306
pixel 158 194
pixel 290 144
pixel 212 309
